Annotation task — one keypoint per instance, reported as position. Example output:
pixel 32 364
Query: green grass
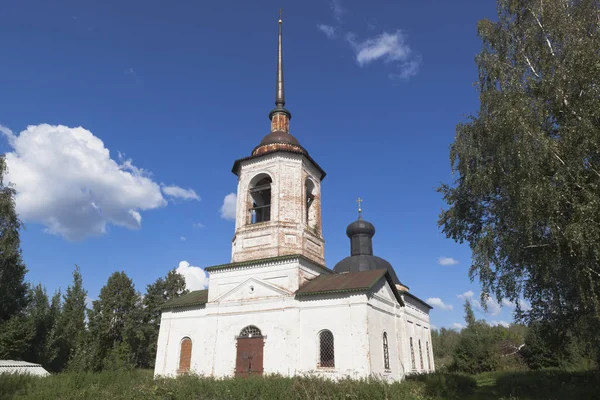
pixel 139 384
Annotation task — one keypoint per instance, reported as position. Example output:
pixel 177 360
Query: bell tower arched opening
pixel 260 199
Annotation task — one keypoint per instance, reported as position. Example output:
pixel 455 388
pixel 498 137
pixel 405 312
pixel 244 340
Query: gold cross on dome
pixel 359 202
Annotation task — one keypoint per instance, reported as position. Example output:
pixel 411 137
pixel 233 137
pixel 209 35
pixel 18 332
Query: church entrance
pixel 250 346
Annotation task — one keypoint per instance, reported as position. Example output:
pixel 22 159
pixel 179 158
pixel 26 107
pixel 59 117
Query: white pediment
pixel 383 291
pixel 253 289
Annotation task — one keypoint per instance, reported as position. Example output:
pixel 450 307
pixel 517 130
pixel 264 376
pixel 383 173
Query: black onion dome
pixel 361 257
pixel 360 227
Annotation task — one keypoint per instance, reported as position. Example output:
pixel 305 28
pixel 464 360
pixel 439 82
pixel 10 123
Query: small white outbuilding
pixel 22 367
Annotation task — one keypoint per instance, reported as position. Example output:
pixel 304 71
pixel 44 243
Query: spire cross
pixel 359 202
pixel 280 12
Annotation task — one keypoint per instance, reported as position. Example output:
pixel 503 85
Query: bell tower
pixel 279 192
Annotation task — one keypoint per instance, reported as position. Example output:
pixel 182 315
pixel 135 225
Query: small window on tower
pixel 311 212
pixel 260 196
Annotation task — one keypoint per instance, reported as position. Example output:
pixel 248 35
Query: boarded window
pixel 421 355
pixel 326 350
pixel 412 354
pixel 386 352
pixel 185 355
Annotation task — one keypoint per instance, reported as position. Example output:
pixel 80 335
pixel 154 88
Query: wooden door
pixel 249 360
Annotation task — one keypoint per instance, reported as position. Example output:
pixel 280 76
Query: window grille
pixel 326 350
pixel 428 358
pixel 421 354
pixel 386 352
pixel 250 331
pixel 412 354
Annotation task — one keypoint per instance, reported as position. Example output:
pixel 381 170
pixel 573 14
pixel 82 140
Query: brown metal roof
pixel 236 164
pixel 350 281
pixel 195 298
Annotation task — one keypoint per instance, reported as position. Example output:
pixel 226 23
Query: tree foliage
pixel 157 293
pixel 13 288
pixel 526 197
pixel 71 329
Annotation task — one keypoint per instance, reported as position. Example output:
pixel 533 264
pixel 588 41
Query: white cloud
pixel 198 225
pixel 89 302
pixel 328 30
pixel 437 302
pixel 432 326
pixel 195 277
pixel 447 261
pixel 508 303
pixel 182 238
pixel 387 46
pixel 391 48
pixel 337 9
pixel 457 325
pixel 525 306
pixel 493 308
pixel 466 295
pixel 503 323
pixel 228 207
pixel 66 180
pixel 181 193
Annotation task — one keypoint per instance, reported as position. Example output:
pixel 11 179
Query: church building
pixel 276 308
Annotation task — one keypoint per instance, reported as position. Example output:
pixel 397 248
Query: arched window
pixel 250 331
pixel 326 350
pixel 260 197
pixel 386 352
pixel 185 355
pixel 421 355
pixel 428 358
pixel 412 354
pixel 311 212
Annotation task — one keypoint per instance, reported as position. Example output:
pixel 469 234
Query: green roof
pixel 264 260
pixel 195 298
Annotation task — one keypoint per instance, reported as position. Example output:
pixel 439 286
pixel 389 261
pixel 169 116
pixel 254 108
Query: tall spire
pixel 279 91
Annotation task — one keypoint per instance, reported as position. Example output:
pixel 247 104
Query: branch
pixel 542 28
pixel 531 66
pixel 533 246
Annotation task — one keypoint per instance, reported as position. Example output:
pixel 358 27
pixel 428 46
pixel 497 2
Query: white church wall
pixel 384 316
pixel 291 327
pixel 175 325
pixel 346 317
pixel 418 327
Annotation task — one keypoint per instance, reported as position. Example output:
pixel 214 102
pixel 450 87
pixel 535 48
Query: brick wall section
pixel 280 122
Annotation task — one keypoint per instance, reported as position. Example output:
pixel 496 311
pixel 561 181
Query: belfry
pixel 279 191
pixel 275 308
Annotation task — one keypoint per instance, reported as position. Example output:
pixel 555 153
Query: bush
pixel 446 385
pixel 139 384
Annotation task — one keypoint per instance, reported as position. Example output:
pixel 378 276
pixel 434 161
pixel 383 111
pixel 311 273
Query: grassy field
pixel 139 384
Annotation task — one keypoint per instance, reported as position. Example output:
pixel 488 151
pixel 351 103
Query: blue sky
pixel 122 121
